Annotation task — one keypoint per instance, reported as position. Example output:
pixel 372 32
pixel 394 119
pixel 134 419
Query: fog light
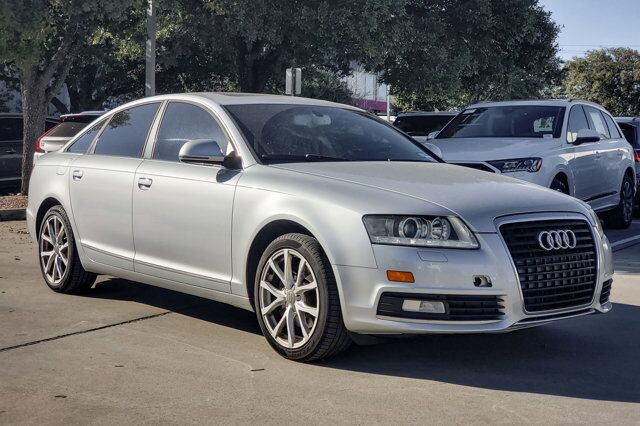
pixel 426 306
pixel 400 276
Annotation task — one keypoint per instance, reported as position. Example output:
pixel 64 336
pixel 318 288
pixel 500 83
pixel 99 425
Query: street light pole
pixel 150 51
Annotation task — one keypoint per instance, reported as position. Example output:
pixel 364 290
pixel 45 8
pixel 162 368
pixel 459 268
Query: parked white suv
pixel 570 146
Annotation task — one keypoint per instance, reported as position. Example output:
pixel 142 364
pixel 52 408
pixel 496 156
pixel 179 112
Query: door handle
pixel 144 183
pixel 77 174
pixel 598 155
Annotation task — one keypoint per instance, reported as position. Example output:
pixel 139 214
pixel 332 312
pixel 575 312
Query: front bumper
pixel 450 272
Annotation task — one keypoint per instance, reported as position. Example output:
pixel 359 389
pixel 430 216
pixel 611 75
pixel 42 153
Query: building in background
pixel 369 92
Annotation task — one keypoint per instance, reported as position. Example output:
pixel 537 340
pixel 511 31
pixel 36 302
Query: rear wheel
pixel 622 215
pixel 296 300
pixel 59 261
pixel 559 185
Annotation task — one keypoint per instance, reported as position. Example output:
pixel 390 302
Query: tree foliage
pixel 460 51
pixel 39 41
pixel 610 77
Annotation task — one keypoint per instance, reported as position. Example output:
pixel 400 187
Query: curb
pixel 15 214
pixel 625 243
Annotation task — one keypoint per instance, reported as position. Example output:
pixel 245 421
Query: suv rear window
pixel 516 121
pixel 67 129
pixel 421 125
pixel 630 133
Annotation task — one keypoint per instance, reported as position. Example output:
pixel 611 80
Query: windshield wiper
pixel 300 158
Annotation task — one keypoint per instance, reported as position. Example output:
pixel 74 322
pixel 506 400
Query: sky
pixel 592 24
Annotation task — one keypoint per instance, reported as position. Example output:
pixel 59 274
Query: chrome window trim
pixel 92 148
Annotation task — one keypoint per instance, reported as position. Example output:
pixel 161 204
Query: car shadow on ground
pixel 196 307
pixel 593 357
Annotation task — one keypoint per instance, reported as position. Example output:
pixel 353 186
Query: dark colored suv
pixel 11 150
pixel 630 127
pixel 419 124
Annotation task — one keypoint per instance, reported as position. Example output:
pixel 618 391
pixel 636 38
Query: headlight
pixel 595 220
pixel 422 231
pixel 518 165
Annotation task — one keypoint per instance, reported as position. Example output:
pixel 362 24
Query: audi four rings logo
pixel 557 240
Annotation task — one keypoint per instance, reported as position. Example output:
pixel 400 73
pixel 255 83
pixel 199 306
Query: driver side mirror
pixel 207 152
pixel 586 136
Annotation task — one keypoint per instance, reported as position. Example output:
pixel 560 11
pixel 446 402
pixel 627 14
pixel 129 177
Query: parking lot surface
pixel 130 353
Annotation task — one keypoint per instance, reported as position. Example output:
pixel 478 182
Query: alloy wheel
pixel 289 299
pixel 54 249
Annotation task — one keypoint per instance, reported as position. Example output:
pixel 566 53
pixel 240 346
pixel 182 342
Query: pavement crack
pixel 75 333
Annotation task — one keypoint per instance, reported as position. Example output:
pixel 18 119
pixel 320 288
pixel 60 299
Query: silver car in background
pixel 327 222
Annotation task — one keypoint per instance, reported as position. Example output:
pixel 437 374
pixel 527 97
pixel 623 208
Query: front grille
pixel 606 292
pixel 458 308
pixel 555 279
pixel 477 166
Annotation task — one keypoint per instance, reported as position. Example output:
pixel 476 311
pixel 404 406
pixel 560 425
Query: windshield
pixel 293 133
pixel 522 121
pixel 67 129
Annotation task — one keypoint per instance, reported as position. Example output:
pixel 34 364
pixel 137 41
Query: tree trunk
pixel 34 112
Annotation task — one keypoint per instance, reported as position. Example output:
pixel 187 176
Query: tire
pixel 55 243
pixel 559 185
pixel 277 305
pixel 622 216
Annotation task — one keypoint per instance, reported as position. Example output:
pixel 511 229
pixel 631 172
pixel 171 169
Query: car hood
pixel 477 197
pixel 487 149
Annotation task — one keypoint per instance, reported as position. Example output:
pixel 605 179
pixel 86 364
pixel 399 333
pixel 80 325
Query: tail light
pixel 38 147
pixel 636 155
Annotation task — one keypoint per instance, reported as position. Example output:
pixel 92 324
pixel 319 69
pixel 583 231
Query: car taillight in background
pixel 38 147
pixel 636 155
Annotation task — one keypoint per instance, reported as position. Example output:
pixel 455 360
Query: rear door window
pixel 595 116
pixel 82 144
pixel 126 132
pixel 10 129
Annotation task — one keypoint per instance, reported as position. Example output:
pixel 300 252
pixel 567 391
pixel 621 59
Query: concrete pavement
pixel 131 353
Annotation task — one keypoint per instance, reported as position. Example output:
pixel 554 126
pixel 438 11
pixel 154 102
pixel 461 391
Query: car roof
pixel 427 113
pixel 83 113
pixel 534 102
pixel 630 120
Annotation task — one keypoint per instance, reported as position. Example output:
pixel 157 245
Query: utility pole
pixel 388 103
pixel 150 51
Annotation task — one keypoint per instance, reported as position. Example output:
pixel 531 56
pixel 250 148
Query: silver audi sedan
pixel 327 222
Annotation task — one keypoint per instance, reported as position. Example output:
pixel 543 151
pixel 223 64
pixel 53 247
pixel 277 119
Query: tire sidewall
pixel 559 186
pixel 319 267
pixel 59 212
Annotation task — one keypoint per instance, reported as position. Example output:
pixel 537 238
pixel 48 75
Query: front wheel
pixel 59 261
pixel 621 216
pixel 560 186
pixel 297 302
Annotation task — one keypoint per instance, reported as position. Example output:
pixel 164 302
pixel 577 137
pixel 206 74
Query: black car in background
pixel 630 127
pixel 11 150
pixel 419 124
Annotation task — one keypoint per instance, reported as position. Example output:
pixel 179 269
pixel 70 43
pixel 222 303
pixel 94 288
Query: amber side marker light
pixel 400 276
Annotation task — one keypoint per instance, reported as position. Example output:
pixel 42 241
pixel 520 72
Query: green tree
pixel 610 77
pixel 460 51
pixel 39 41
